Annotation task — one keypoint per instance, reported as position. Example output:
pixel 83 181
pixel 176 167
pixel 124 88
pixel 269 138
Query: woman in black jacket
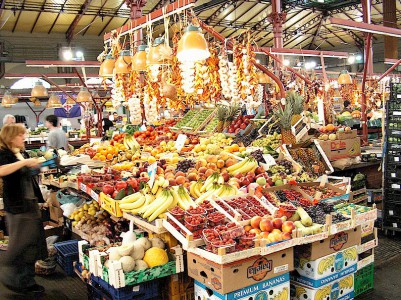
pixel 21 195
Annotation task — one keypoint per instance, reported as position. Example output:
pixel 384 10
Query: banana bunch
pixel 247 165
pixel 131 143
pixel 214 178
pixel 351 254
pixel 283 295
pixel 182 198
pixel 195 187
pixel 159 184
pixel 159 205
pixel 325 264
pixel 132 201
pixel 218 190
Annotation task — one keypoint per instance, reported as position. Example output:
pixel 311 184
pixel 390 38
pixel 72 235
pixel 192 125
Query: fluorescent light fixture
pixel 303 52
pixel 364 27
pixel 310 65
pixel 286 62
pixel 60 63
pixel 68 55
pixel 351 59
pixel 358 57
pixel 79 54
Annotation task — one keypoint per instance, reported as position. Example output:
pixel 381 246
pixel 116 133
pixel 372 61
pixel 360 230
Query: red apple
pixel 245 181
pixel 288 226
pixel 239 176
pixel 225 176
pixel 259 170
pixel 266 225
pixel 243 126
pixel 277 223
pixel 255 221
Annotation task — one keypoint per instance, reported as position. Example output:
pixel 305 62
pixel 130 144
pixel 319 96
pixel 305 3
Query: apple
pixel 261 181
pixel 245 181
pixel 255 221
pixel 237 130
pixel 225 176
pixel 266 225
pixel 269 217
pixel 259 170
pixel 239 176
pixel 108 189
pixel 277 223
pixel 288 227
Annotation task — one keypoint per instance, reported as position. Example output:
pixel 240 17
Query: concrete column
pixel 390 20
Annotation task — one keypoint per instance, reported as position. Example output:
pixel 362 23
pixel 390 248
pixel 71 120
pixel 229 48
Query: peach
pixel 192 177
pixel 180 180
pixel 179 173
pixel 209 172
pixel 225 175
pixel 254 230
pixel 286 236
pixel 247 227
pixel 172 182
pixel 220 163
pixel 277 223
pixel 224 156
pixel 198 165
pixel 230 162
pixel 277 231
pixel 266 225
pixel 264 235
pixel 255 221
pixel 203 161
pixel 288 227
pixel 212 166
pixel 202 170
pixel 211 158
pixel 159 171
pixel 191 170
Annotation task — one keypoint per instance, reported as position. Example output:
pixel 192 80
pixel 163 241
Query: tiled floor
pixel 387 278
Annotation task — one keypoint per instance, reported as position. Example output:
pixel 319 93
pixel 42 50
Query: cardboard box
pixel 332 244
pixel 52 228
pixel 239 274
pixel 319 272
pixel 339 149
pixel 345 135
pixel 343 195
pixel 274 288
pixel 341 289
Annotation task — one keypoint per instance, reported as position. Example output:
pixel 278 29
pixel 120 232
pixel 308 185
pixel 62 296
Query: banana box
pixel 276 288
pixel 319 272
pixel 341 289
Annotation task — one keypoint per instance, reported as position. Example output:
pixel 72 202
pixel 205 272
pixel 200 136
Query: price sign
pixel 270 161
pixel 152 174
pixel 180 142
pixel 142 128
pixel 323 181
pixel 83 187
pixel 167 156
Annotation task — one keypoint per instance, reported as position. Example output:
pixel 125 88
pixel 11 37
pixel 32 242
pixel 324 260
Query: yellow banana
pixel 192 188
pixel 131 198
pixel 237 165
pixel 197 189
pixel 133 205
pixel 163 207
pixel 155 186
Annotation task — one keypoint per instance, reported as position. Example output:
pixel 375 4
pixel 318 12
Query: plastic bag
pixel 64 197
pixel 68 209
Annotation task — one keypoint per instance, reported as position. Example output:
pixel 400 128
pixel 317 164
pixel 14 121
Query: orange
pixel 109 156
pixel 103 152
pixel 235 147
pixel 110 149
pixel 102 157
pixel 151 159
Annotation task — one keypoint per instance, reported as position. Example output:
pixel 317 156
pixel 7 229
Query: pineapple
pixel 232 112
pixel 298 106
pixel 221 116
pixel 284 117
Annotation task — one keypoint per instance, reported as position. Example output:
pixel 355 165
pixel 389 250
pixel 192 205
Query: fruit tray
pixel 326 192
pixel 110 205
pixel 155 226
pixel 115 276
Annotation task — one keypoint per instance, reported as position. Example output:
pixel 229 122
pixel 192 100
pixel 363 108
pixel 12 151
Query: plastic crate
pixel 67 253
pixel 147 290
pixel 364 279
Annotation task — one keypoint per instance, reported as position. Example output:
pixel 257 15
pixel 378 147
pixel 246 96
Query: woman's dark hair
pixel 347 103
pixel 52 119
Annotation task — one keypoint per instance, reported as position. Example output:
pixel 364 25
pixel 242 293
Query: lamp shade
pixel 344 78
pixel 192 45
pixel 8 100
pixel 139 59
pixel 123 62
pixel 159 53
pixel 107 67
pixel 70 101
pixel 54 102
pixel 84 95
pixel 39 90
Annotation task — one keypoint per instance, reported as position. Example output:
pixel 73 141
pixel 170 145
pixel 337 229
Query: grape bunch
pixel 185 165
pixel 285 163
pixel 258 155
pixel 319 211
pixel 247 139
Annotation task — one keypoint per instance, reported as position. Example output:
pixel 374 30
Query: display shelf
pixel 370 244
pixel 156 226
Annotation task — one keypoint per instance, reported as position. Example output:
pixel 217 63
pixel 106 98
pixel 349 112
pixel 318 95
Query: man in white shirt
pixel 8 119
pixel 57 138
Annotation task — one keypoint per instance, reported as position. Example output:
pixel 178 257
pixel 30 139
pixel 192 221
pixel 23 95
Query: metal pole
pixel 363 106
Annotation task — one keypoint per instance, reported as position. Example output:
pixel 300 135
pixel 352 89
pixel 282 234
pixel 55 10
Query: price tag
pixel 323 181
pixel 395 225
pixel 393 175
pixel 168 156
pixel 135 288
pixel 142 128
pixel 152 173
pixel 94 195
pixel 83 187
pixel 391 213
pixel 397 159
pixel 180 142
pixel 318 195
pixel 395 186
pixel 270 161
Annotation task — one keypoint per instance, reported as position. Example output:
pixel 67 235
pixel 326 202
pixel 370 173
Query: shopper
pixel 8 119
pixel 347 106
pixel 57 139
pixel 106 122
pixel 21 196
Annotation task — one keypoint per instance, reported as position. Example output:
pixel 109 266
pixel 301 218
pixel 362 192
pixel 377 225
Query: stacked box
pixel 273 288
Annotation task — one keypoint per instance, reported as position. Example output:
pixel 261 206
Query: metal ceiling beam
pixel 317 32
pixel 365 27
pixel 60 63
pixel 247 22
pixel 227 14
pixel 215 13
pixel 210 4
pixel 19 15
pixel 58 15
pixel 98 13
pixel 50 75
pixel 111 19
pixel 241 15
pixel 37 18
pixel 70 31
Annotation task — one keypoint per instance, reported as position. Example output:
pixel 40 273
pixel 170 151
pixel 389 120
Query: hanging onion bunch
pixel 150 108
pixel 224 75
pixel 176 78
pixel 202 81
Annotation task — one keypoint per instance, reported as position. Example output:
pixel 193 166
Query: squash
pixel 306 220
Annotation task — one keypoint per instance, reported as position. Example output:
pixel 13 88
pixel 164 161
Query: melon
pixel 155 257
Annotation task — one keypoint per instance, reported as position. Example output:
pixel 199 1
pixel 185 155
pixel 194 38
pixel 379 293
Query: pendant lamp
pixel 344 78
pixel 54 101
pixel 107 67
pixel 39 90
pixel 70 101
pixel 123 62
pixel 84 95
pixel 139 59
pixel 8 100
pixel 192 45
pixel 159 53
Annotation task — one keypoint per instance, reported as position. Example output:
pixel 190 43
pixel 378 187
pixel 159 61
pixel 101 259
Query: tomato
pixel 120 185
pixel 108 189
